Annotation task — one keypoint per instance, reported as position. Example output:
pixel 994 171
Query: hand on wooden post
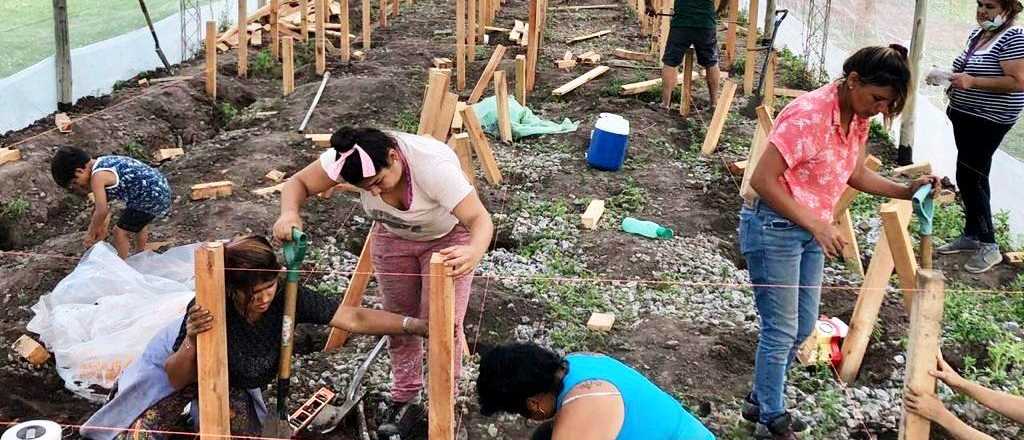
pixel 926 405
pixel 462 259
pixel 199 321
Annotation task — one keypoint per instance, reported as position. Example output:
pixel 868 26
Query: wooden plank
pixel 304 18
pixel 320 139
pixel 1015 257
pixel 730 33
pixel 585 7
pixel 485 77
pixel 460 45
pixel 645 86
pixel 589 58
pixel 601 322
pixel 275 29
pixel 460 144
pixel 472 30
pixel 168 154
pixel 592 215
pixel 901 247
pixel 269 190
pixel 211 59
pixel 457 119
pixel 718 121
pixel 869 301
pixel 345 40
pixel 441 352
pixel 791 93
pixel 687 82
pixel 581 80
pixel 442 63
pixel 501 94
pixel 446 113
pixel 211 345
pixel 212 190
pixel 846 199
pixel 913 170
pixel 288 65
pixel 565 64
pixel 589 36
pixel 631 55
pixel 243 41
pixel 748 64
pixel 365 16
pixel 9 155
pixel 321 38
pixel 358 55
pixel 769 80
pixel 275 176
pixel 481 146
pixel 764 126
pixel 433 98
pixel 354 292
pixel 923 348
pixel 737 168
pixel 30 350
pixel 532 47
pixel 851 252
pixel 382 12
pixel 63 122
pixel 521 79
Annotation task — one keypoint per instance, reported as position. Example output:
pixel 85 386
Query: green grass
pixel 263 65
pixel 14 209
pixel 136 150
pixel 28 26
pixel 407 121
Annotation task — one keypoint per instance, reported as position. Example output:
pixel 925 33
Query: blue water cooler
pixel 609 142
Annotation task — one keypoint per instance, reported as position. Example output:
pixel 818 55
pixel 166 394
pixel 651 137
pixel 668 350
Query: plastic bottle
pixel 646 228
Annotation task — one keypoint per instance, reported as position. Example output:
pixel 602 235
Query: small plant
pixel 226 112
pixel 136 150
pixel 14 209
pixel 793 72
pixel 1006 240
pixel 879 134
pixel 407 121
pixel 631 200
pixel 263 64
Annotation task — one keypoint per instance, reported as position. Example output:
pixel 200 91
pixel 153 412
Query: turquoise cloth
pixel 924 206
pixel 651 414
pixel 524 122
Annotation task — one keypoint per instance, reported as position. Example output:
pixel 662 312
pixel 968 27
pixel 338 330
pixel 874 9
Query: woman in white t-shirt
pixel 414 189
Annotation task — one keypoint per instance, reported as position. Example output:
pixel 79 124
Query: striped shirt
pixel 1001 108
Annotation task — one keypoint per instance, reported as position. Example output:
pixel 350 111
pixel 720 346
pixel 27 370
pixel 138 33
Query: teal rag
pixel 524 122
pixel 924 207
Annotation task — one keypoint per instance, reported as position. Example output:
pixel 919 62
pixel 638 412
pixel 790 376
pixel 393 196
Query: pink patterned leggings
pixel 409 295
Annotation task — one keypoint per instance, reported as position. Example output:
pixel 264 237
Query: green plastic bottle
pixel 646 228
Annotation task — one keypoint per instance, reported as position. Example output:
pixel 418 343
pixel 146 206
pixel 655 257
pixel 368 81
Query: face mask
pixel 991 25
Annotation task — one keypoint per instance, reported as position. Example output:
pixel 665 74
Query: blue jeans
pixel 785 264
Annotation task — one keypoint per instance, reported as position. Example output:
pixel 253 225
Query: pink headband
pixel 364 159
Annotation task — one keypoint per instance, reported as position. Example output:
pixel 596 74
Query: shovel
pixel 294 252
pixel 924 207
pixel 751 109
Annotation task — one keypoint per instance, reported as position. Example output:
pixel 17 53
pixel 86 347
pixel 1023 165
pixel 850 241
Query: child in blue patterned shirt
pixel 144 191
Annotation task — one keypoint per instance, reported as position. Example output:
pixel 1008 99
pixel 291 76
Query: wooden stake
pixel 730 33
pixel 923 348
pixel 211 59
pixel 345 44
pixel 851 252
pixel 748 65
pixel 243 40
pixel 663 30
pixel 485 77
pixel 383 12
pixel 592 215
pixel 481 146
pixel 321 37
pixel 354 292
pixel 501 93
pixel 687 83
pixel 764 126
pixel 446 113
pixel 211 345
pixel 460 45
pixel 769 80
pixel 366 24
pixel 275 29
pixel 30 350
pixel 212 190
pixel 395 7
pixel 869 301
pixel 472 29
pixel 901 247
pixel 437 87
pixel 532 48
pixel 304 19
pixel 460 144
pixel 441 352
pixel 521 79
pixel 288 64
pixel 718 121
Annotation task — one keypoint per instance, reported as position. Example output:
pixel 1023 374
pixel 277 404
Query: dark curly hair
pixel 510 374
pixel 376 143
pixel 883 67
pixel 65 162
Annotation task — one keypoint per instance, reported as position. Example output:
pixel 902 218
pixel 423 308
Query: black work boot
pixel 780 428
pixel 401 420
pixel 752 413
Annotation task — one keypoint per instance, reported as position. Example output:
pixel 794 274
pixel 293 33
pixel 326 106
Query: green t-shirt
pixel 695 14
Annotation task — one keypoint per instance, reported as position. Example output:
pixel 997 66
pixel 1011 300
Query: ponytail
pixel 374 142
pixel 883 67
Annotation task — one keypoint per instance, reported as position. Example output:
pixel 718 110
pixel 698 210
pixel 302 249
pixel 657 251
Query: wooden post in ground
pixel 322 11
pixel 686 95
pixel 441 352
pixel 354 292
pixel 346 42
pixel 383 12
pixel 275 29
pixel 902 249
pixel 532 48
pixel 211 346
pixel 460 144
pixel 521 79
pixel 481 146
pixel 663 30
pixel 923 348
pixel 444 116
pixel 243 39
pixel 769 80
pixel 869 300
pixel 851 252
pixel 460 45
pixel 395 7
pixel 764 127
pixel 718 120
pixel 471 30
pixel 62 56
pixel 501 95
pixel 730 33
pixel 366 24
pixel 437 87
pixel 303 19
pixel 748 64
pixel 485 77
pixel 288 65
pixel 211 59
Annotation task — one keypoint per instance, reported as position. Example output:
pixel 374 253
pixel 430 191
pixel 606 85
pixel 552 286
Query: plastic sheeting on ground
pixel 524 122
pixel 100 317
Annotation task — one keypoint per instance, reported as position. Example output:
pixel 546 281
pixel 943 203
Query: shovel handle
pixel 287 331
pixel 926 252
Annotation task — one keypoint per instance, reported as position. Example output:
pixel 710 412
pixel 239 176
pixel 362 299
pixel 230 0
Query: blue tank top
pixel 651 414
pixel 138 185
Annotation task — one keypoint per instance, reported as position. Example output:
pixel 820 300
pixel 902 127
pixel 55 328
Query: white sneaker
pixel 984 259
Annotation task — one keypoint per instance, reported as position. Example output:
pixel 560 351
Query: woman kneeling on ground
pixel 414 189
pixel 583 396
pixel 815 150
pixel 152 391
